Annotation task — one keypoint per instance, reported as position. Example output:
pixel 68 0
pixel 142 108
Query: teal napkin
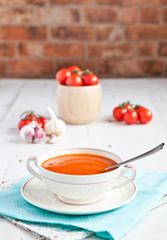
pixel 113 224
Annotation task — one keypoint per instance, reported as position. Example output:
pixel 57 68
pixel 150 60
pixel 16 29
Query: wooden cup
pixel 79 105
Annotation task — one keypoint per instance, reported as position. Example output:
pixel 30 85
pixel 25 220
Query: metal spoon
pixel 152 151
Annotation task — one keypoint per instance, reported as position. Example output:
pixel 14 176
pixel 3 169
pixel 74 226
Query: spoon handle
pixel 152 151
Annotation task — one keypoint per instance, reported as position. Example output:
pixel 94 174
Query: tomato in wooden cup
pixel 74 76
pixel 90 79
pixel 74 69
pixel 79 96
pixel 74 80
pixel 62 75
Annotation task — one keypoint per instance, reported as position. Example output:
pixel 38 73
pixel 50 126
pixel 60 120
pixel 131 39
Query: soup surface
pixel 78 164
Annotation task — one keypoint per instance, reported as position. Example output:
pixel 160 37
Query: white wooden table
pixel 16 96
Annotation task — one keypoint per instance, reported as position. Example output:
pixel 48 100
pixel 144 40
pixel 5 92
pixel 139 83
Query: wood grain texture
pixel 16 96
pixel 79 105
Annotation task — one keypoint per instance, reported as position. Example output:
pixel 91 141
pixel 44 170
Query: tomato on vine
pixel 28 116
pixel 24 122
pixel 145 116
pixel 138 108
pixel 119 111
pixel 130 117
pixel 41 121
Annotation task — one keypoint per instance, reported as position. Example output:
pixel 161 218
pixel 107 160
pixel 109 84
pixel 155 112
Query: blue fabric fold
pixel 112 225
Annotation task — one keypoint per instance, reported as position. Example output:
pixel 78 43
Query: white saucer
pixel 34 191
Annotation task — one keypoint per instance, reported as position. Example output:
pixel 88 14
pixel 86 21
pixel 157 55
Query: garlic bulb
pixel 32 133
pixel 54 126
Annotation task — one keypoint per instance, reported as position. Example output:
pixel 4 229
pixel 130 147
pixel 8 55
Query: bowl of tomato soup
pixel 76 175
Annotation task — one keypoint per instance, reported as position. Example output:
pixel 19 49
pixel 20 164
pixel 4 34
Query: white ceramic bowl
pixel 79 189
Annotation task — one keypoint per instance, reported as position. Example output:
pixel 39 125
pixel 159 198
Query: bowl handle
pixel 32 167
pixel 128 179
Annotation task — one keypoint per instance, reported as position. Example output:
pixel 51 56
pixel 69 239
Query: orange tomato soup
pixel 78 164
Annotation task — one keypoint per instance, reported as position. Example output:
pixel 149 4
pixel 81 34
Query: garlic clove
pixel 32 133
pixel 39 135
pixel 54 125
pixel 29 135
pixel 51 139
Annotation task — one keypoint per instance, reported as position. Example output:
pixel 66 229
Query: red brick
pixel 70 1
pixel 57 15
pixel 106 67
pixel 116 2
pixel 147 49
pixel 163 49
pixel 22 2
pixel 115 14
pixel 111 33
pixel 109 51
pixel 23 33
pixel 7 50
pixel 103 32
pixel 147 32
pixel 11 2
pixel 143 2
pixel 164 15
pixel 81 63
pixel 128 14
pixel 2 67
pixel 30 67
pixel 73 32
pixel 149 15
pixel 139 68
pixel 21 15
pixel 30 49
pixel 5 15
pixel 103 15
pixel 64 50
pixel 35 2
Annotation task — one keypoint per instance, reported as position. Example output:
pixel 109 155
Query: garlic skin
pixel 51 139
pixel 32 133
pixel 54 126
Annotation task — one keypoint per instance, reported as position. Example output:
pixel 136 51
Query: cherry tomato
pixel 24 122
pixel 26 118
pixel 118 113
pixel 130 117
pixel 74 69
pixel 138 108
pixel 28 115
pixel 145 116
pixel 90 79
pixel 74 80
pixel 62 75
pixel 41 121
pixel 127 106
pixel 31 116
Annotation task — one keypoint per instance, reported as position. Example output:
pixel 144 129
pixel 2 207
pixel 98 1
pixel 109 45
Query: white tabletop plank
pixel 16 96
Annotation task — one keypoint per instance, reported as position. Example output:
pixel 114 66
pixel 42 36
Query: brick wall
pixel 114 38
